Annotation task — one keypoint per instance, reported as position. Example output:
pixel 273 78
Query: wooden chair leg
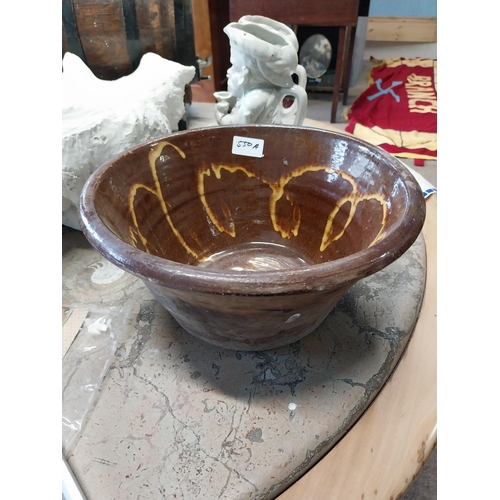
pixel 348 63
pixel 339 65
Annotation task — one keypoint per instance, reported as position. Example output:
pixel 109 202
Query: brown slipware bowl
pixel 247 252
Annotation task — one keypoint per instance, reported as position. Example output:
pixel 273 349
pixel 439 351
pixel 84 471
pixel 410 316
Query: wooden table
pixel 385 450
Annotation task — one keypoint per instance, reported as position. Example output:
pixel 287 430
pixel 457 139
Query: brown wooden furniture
pixel 219 17
pixel 111 36
pixel 341 13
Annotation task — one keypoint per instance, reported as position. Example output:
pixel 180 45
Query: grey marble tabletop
pixel 151 412
pixel 174 417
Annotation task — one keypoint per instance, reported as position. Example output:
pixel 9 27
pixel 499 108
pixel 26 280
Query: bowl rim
pixel 319 277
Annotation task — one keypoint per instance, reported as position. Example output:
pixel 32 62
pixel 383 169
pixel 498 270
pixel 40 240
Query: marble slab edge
pixel 177 418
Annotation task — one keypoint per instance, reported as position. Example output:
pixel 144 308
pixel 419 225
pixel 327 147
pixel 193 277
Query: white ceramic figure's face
pixel 232 80
pixel 237 73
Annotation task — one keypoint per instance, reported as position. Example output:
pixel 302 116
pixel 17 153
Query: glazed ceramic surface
pixel 263 60
pixel 248 252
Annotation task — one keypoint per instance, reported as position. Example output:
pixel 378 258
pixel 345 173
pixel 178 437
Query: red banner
pixel 398 111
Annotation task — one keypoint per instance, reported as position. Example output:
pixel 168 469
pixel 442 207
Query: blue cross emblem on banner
pixel 388 90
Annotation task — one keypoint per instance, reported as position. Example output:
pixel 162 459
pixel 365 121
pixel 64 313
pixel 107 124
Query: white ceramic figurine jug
pixel 263 58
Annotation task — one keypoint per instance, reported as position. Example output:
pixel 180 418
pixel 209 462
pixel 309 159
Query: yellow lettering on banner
pixel 418 81
pixel 424 109
pixel 416 78
pixel 421 84
pixel 420 95
pixel 423 106
pixel 416 86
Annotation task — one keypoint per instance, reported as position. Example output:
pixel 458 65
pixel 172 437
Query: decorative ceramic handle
pixel 299 105
pixel 299 102
pixel 300 71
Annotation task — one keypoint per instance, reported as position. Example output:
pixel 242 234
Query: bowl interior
pixel 313 197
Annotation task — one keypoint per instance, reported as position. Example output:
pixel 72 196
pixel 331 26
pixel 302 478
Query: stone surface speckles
pixel 179 418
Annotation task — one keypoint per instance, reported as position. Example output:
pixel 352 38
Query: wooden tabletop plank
pixel 384 451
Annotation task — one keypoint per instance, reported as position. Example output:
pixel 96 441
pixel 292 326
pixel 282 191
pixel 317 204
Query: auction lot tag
pixel 247 146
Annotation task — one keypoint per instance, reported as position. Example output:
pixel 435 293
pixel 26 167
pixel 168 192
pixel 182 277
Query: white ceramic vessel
pixel 263 60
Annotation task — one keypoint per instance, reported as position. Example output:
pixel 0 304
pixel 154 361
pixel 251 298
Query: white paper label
pixel 246 146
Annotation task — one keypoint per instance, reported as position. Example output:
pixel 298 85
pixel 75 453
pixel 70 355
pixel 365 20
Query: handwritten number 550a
pixel 246 144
